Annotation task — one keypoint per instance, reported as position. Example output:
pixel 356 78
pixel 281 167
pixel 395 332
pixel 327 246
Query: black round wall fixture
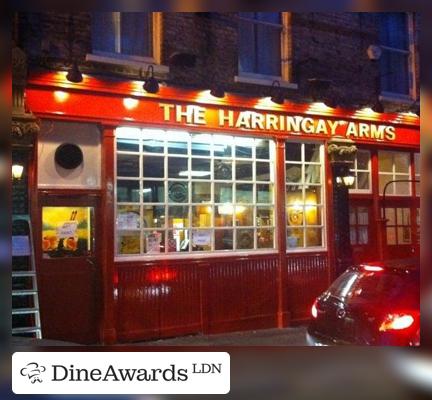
pixel 68 156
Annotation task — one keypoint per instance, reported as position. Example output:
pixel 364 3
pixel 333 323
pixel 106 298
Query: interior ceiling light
pixel 277 94
pixel 74 74
pixel 151 85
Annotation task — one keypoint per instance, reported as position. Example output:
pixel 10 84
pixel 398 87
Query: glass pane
pixel 153 167
pixel 201 145
pixel 223 170
pixel 262 171
pixel 154 216
pixel 178 240
pixel 124 144
pixel 128 217
pixel 152 141
pixel 403 216
pixel 153 191
pixel 313 195
pixel 201 216
pixel 312 153
pixel 224 215
pixel 268 44
pixel 178 192
pixel 264 193
pixel 363 216
pixel 128 191
pixel 313 237
pixel 245 238
pixel 243 147
pixel 224 239
pixel 264 216
pixel 390 216
pixel 312 174
pixel 244 193
pixel 383 180
pixel 244 216
pixel 201 240
pixel 177 142
pixel 178 216
pixel 262 149
pixel 294 195
pixel 313 215
pixel 363 180
pixel 200 168
pixel 402 188
pixel 293 173
pixel 243 171
pixel 154 242
pixel 294 215
pixel 201 192
pixel 404 235
pixel 265 238
pixel 391 236
pixel 352 216
pixel 295 238
pixel 127 165
pixel 223 192
pixel 353 236
pixel 135 33
pixel 67 231
pixel 417 163
pixel 293 151
pixel 363 158
pixel 222 146
pixel 128 242
pixel 178 167
pixel 363 235
pixel 385 161
pixel 402 162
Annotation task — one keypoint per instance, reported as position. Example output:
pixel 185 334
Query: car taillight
pixel 396 322
pixel 372 268
pixel 314 310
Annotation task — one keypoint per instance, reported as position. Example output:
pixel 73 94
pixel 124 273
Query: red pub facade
pixel 176 213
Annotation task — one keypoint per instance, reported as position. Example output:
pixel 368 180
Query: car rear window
pixel 359 285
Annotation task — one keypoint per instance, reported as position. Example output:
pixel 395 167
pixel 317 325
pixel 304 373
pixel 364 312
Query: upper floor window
pixel 395 61
pixel 122 33
pixel 260 43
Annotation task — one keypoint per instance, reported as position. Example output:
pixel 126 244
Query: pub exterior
pixel 195 209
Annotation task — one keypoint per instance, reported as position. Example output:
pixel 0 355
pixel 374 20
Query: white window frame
pixel 190 253
pixel 412 95
pixel 323 226
pixel 285 76
pixel 395 175
pixel 355 170
pixel 417 173
pixel 136 61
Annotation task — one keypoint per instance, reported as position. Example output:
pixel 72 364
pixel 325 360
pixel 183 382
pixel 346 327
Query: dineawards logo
pixel 121 373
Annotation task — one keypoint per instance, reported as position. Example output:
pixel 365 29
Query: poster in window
pixel 153 241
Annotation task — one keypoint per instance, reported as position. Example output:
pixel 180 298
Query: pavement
pixel 292 336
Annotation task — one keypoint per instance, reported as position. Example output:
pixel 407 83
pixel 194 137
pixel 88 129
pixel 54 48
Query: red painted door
pixel 68 267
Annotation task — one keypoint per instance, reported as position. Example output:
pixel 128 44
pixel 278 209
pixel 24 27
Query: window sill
pixel 396 98
pixel 137 63
pixel 198 255
pixel 264 80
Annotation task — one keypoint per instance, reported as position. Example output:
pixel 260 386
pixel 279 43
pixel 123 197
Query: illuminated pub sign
pixel 290 124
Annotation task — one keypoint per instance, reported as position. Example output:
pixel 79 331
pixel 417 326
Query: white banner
pixel 120 373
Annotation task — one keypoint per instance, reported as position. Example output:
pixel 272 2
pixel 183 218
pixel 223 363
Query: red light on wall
pixel 61 96
pixel 396 322
pixel 158 275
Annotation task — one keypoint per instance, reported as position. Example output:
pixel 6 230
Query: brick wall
pixel 324 45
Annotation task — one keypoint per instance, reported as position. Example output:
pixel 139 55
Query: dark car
pixel 370 304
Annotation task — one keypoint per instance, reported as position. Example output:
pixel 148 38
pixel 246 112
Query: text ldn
pixel 62 373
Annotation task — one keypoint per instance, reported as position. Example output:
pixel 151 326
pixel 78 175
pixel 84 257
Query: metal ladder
pixel 25 298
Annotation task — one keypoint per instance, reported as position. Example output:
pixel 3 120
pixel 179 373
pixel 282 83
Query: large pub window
pixel 394 166
pixel 304 195
pixel 122 34
pixel 260 43
pixel 362 172
pixel 181 192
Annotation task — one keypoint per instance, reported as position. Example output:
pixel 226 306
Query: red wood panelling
pixel 307 278
pixel 180 297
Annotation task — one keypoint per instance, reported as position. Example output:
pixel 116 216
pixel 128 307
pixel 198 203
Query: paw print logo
pixel 33 371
